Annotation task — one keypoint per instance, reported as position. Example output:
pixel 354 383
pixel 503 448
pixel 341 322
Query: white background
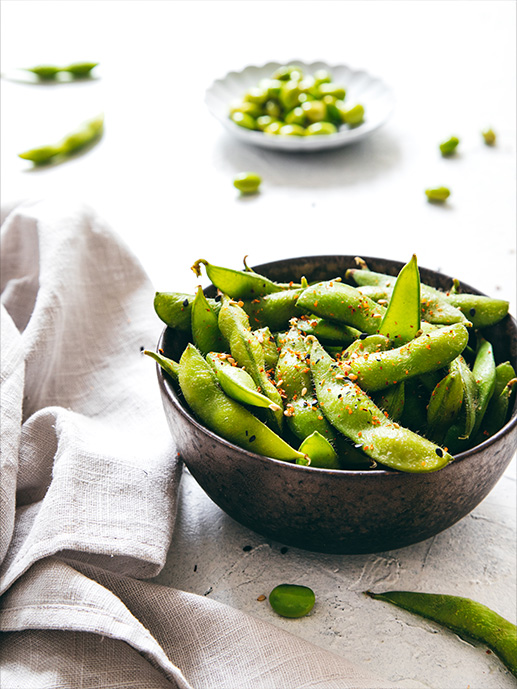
pixel 162 177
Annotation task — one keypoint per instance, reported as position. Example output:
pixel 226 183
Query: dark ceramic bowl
pixel 328 510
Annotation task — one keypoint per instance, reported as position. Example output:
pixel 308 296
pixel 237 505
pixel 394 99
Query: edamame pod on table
pixel 89 132
pixel 239 284
pixel 248 353
pixel 465 617
pixel 349 409
pixel 224 415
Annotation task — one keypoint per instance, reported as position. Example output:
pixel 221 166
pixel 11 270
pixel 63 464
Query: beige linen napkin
pixel 89 481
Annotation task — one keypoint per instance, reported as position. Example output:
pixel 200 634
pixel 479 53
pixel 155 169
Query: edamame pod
pixel 326 331
pixel 224 415
pixel 169 366
pixel 239 284
pixel 175 308
pixel 237 383
pixel 274 310
pixel 293 376
pixel 204 322
pixel 87 133
pixel 320 451
pixel 444 405
pixel 353 413
pixel 401 321
pixel 462 616
pixel 428 352
pixel 248 353
pixel 484 375
pixel 268 342
pixel 337 301
pixel 481 311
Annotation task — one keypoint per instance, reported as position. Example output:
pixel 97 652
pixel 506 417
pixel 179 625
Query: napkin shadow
pixel 350 165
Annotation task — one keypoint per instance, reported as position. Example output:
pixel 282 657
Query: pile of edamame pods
pixel 385 371
pixel 291 103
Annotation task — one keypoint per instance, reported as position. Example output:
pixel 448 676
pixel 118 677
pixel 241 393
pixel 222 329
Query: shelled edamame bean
pixel 291 103
pixel 360 383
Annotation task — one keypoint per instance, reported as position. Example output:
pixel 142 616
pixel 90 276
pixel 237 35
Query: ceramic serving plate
pixel 361 87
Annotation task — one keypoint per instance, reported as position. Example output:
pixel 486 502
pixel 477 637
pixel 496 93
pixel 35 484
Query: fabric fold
pixel 90 481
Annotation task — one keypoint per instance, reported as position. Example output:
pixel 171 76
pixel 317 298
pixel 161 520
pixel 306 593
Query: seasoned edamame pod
pixel 175 308
pixel 205 329
pixel 428 352
pixel 224 415
pixel 353 413
pixel 337 301
pixel 239 284
pixel 248 353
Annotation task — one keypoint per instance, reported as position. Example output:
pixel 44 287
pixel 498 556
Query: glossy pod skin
pixel 339 511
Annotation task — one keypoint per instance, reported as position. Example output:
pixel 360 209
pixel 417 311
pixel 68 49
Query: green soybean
pixel 247 182
pixel 87 133
pixel 449 147
pixel 292 600
pixel 489 137
pixel 438 194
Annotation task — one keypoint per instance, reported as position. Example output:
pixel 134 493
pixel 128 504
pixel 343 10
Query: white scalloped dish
pixel 361 87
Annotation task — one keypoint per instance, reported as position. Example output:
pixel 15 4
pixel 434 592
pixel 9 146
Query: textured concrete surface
pixel 214 556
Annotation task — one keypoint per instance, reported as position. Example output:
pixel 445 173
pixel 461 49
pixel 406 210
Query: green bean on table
pixel 87 133
pixel 468 618
pixel 350 382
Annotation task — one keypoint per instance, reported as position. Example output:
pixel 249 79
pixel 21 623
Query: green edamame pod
pixel 80 69
pixel 366 345
pixel 484 375
pixel 293 376
pixel 463 616
pixel 248 353
pixel 86 134
pixel 45 72
pixel 353 413
pixel 244 120
pixel 268 342
pixel 496 413
pixel 339 302
pixel 392 400
pixel 326 331
pixel 237 383
pixel 401 321
pixel 504 372
pixel 444 405
pixel 274 310
pixel 169 366
pixel 224 415
pixel 481 311
pixel 428 352
pixel 320 452
pixel 204 322
pixel 239 284
pixel 175 308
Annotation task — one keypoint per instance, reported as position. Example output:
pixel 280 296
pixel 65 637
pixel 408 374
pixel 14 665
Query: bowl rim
pixel 343 136
pixel 167 387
